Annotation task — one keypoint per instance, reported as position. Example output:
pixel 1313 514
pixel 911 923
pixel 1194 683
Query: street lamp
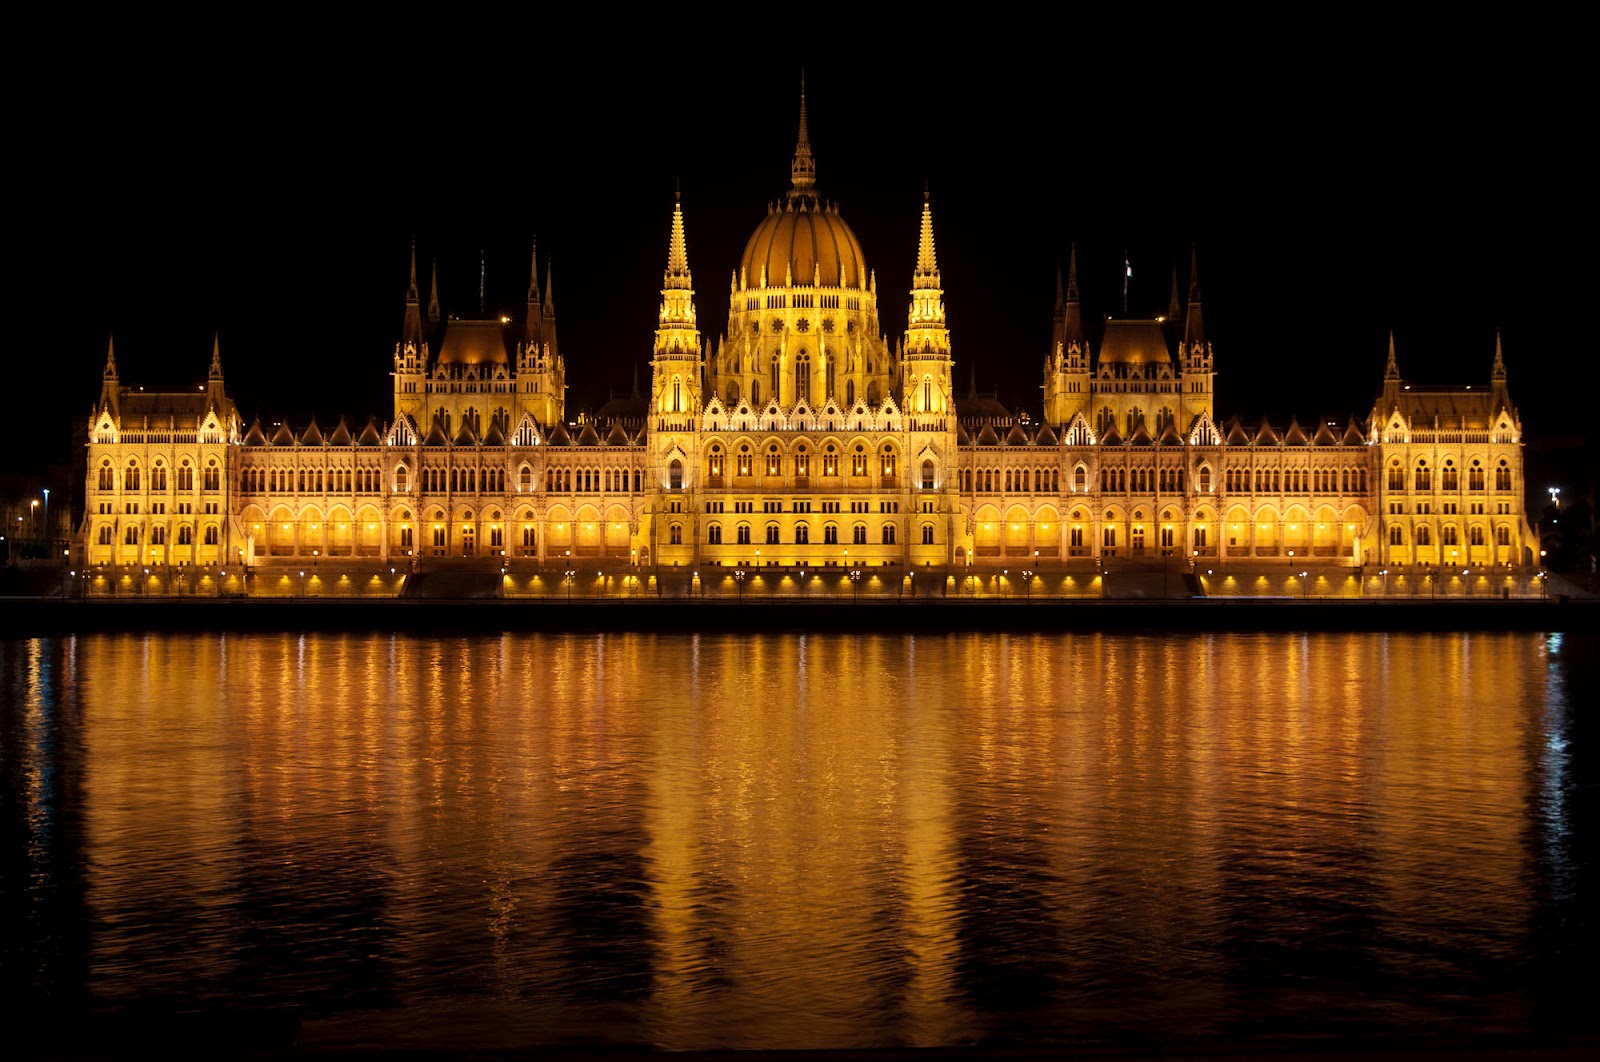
pixel 738 582
pixel 1027 586
pixel 569 577
pixel 47 514
pixel 855 585
pixel 1555 496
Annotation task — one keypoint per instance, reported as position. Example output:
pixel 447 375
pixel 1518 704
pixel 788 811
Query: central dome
pixel 807 241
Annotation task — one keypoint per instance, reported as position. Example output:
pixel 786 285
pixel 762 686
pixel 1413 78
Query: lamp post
pixel 1555 496
pixel 1027 587
pixel 569 577
pixel 1303 585
pixel 47 535
pixel 738 583
pixel 855 585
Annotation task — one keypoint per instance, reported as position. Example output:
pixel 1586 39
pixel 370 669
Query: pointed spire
pixel 411 288
pixel 677 247
pixel 1071 317
pixel 803 170
pixel 1174 308
pixel 1499 370
pixel 927 263
pixel 111 358
pixel 433 294
pixel 533 275
pixel 216 356
pixel 1499 394
pixel 549 289
pixel 1194 330
pixel 1391 371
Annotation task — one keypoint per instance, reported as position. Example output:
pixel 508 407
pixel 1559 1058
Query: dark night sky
pixel 1336 191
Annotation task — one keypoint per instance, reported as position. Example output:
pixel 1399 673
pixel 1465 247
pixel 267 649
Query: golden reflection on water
pixel 797 840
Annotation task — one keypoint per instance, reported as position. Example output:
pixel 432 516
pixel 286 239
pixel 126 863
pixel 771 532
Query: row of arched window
pixel 1449 535
pixel 183 478
pixel 587 480
pixel 802 534
pixel 1011 480
pixel 1449 476
pixel 131 535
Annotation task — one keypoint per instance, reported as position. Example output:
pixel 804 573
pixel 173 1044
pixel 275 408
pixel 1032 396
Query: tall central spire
pixel 677 250
pixel 803 171
pixel 927 264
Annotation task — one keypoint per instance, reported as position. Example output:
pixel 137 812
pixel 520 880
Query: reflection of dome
pixel 473 343
pixel 809 238
pixel 1134 343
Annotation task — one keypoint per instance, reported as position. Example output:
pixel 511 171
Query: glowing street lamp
pixel 1555 496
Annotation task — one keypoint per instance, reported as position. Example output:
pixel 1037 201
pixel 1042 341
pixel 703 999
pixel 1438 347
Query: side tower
pixel 1194 354
pixel 1066 368
pixel 675 403
pixel 541 374
pixel 928 399
pixel 411 354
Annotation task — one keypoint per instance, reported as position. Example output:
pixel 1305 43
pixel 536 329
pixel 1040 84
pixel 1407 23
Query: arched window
pixel 849 393
pixel 755 392
pixel 1397 477
pixel 675 475
pixel 802 377
pixel 1424 476
pixel 1080 478
pixel 211 534
pixel 746 460
pixel 1475 476
pixel 185 535
pixel 873 397
pixel 1205 479
pixel 1425 535
pixel 714 465
pixel 886 463
pixel 1135 418
pixel 130 537
pixel 1103 420
pixel 158 536
pixel 827 376
pixel 402 479
pixel 733 394
pixel 158 477
pixel 744 534
pixel 1475 535
pixel 213 480
pixel 858 461
pixel 1450 535
pixel 1502 477
pixel 675 535
pixel 772 534
pixel 714 535
pixel 677 394
pixel 1451 481
pixel 774 461
pixel 802 534
pixel 927 473
pixel 525 478
pixel 104 538
pixel 888 534
pixel 830 461
pixel 1502 535
pixel 858 534
pixel 107 480
pixel 830 535
pixel 776 368
pixel 1397 535
pixel 927 534
pixel 130 481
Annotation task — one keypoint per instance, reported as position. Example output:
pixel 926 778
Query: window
pixel 927 534
pixel 776 368
pixel 675 475
pixel 1475 477
pixel 774 461
pixel 802 377
pixel 525 478
pixel 1475 535
pixel 802 463
pixel 405 539
pixel 106 477
pixel 1424 476
pixel 211 534
pixel 886 464
pixel 802 534
pixel 675 535
pixel 1205 479
pixel 830 462
pixel 130 537
pixel 888 534
pixel 130 481
pixel 1425 535
pixel 830 535
pixel 402 479
pixel 438 536
pixel 772 534
pixel 714 535
pixel 858 534
pixel 213 479
pixel 1502 535
pixel 744 534
pixel 746 460
pixel 858 462
pixel 530 538
pixel 1397 535
pixel 104 538
pixel 158 478
pixel 1502 477
pixel 1451 481
pixel 1108 538
pixel 497 537
pixel 158 536
pixel 1448 538
pixel 927 474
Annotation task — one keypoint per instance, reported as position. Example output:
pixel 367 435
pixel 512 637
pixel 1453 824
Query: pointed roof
pixel 549 288
pixel 433 294
pixel 436 435
pixel 1016 436
pixel 411 289
pixel 588 436
pixel 1353 435
pixel 466 436
pixel 1169 435
pixel 341 434
pixel 1324 436
pixel 558 436
pixel 1391 370
pixel 1236 434
pixel 255 436
pixel 283 436
pixel 962 438
pixel 370 435
pixel 1072 320
pixel 1141 435
pixel 803 170
pixel 1111 436
pixel 987 436
pixel 216 357
pixel 1265 436
pixel 1174 308
pixel 1046 437
pixel 111 357
pixel 617 437
pixel 1498 372
pixel 312 435
pixel 494 436
pixel 1295 436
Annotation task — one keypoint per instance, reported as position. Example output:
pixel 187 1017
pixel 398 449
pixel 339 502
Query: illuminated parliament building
pixel 805 439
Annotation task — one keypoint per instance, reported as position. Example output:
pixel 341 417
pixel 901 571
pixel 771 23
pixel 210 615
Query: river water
pixel 818 841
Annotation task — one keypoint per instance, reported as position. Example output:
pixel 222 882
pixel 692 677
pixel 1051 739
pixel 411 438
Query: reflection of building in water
pixel 806 437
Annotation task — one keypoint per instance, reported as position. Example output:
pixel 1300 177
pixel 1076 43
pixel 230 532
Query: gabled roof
pixel 588 436
pixel 617 437
pixel 1353 436
pixel 283 436
pixel 341 434
pixel 559 436
pixel 988 437
pixel 255 436
pixel 1324 436
pixel 494 436
pixel 1016 436
pixel 1294 436
pixel 370 435
pixel 1265 436
pixel 1236 435
pixel 312 436
pixel 436 435
pixel 1046 437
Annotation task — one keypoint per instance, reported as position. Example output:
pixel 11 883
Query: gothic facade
pixel 806 438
